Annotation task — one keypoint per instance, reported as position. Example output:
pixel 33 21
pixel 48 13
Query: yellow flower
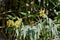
pixel 41 13
pixel 10 23
pixel 17 23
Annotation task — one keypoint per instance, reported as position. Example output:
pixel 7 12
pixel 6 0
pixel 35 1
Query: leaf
pixel 23 13
pixel 58 17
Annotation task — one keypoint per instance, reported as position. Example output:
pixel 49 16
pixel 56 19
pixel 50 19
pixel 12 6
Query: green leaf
pixel 58 17
pixel 23 13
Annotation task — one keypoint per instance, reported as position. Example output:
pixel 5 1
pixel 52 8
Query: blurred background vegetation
pixel 28 10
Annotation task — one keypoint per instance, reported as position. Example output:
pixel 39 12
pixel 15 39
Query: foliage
pixel 31 19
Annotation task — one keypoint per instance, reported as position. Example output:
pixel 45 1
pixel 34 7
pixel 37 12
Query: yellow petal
pixel 10 23
pixel 41 13
pixel 17 23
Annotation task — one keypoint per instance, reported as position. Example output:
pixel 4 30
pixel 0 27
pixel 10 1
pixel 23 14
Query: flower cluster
pixel 42 12
pixel 11 23
pixel 18 22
